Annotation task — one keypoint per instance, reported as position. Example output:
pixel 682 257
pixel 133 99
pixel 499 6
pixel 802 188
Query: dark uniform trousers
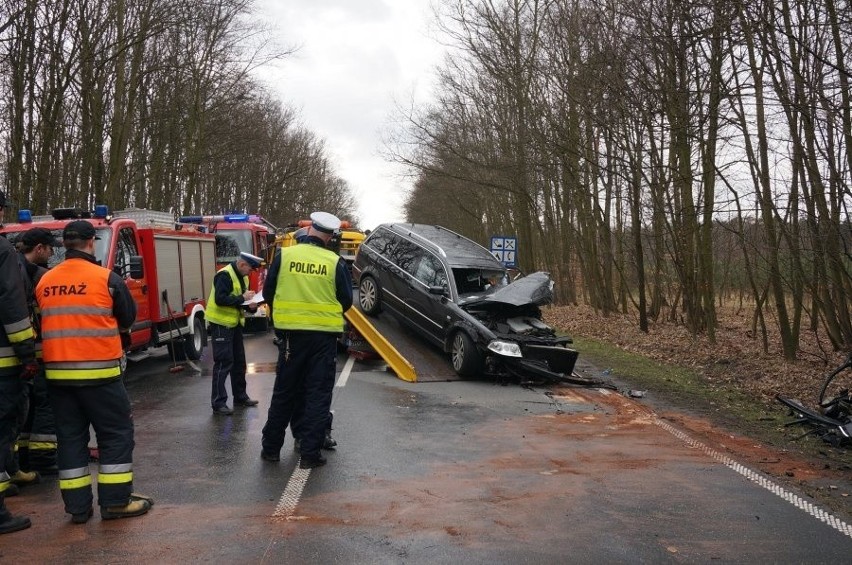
pixel 229 356
pixel 107 408
pixel 19 444
pixel 38 438
pixel 310 367
pixel 11 394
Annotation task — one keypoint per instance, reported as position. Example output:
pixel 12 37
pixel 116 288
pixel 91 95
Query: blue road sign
pixel 505 249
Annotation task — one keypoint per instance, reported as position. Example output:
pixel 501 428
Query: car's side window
pixel 382 242
pixel 431 272
pixel 406 255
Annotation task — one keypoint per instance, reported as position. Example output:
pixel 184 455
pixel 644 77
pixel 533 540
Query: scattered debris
pixel 832 421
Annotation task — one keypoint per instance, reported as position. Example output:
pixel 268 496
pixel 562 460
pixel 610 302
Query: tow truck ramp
pixel 397 363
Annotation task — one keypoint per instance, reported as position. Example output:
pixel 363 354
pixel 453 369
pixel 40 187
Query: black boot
pixel 14 523
pixel 329 442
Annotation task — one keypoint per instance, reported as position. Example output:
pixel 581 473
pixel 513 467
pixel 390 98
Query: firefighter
pixel 84 308
pixel 37 441
pixel 17 365
pixel 226 317
pixel 310 288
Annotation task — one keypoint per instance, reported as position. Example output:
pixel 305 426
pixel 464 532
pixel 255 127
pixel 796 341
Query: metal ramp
pixel 397 363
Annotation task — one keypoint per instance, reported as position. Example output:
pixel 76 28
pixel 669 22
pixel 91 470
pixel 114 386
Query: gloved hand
pixel 29 371
pixel 125 340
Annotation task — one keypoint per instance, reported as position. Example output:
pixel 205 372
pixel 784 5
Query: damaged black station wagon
pixel 454 293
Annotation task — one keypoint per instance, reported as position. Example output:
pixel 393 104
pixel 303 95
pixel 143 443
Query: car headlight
pixel 505 348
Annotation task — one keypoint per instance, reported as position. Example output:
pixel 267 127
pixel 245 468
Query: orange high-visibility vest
pixel 81 342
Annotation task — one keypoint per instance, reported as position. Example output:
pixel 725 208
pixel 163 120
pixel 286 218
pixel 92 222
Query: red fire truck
pixel 236 233
pixel 167 266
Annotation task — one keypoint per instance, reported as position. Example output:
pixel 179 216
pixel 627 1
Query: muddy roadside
pixel 736 424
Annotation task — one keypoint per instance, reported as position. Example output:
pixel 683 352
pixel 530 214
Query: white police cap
pixel 253 260
pixel 325 222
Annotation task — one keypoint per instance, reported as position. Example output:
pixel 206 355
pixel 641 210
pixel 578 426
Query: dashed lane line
pixel 761 480
pixel 289 500
pixel 757 478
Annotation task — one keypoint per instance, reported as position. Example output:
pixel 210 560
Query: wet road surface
pixel 433 472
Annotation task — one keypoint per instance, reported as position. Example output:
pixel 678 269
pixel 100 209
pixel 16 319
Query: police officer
pixel 84 308
pixel 310 288
pixel 17 364
pixel 37 441
pixel 226 317
pixel 301 236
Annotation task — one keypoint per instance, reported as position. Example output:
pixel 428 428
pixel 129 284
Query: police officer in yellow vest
pixel 225 315
pixel 310 288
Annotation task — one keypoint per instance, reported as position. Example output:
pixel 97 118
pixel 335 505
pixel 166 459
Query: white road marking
pixel 292 493
pixel 344 374
pixel 296 485
pixel 755 477
pixel 761 480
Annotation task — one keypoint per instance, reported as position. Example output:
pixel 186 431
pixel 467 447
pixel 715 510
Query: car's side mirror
pixel 434 289
pixel 137 271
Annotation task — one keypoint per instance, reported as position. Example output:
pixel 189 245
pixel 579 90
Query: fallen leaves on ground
pixel 736 359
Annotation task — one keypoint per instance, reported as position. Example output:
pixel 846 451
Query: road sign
pixel 505 249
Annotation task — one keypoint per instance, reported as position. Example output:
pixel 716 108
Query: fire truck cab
pixel 236 233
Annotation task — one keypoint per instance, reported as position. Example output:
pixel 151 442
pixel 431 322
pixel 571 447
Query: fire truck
pixel 167 266
pixel 236 233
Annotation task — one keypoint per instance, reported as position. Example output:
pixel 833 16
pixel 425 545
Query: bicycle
pixel 833 420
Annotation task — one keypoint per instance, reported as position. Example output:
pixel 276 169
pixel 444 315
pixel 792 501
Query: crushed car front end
pixel 517 342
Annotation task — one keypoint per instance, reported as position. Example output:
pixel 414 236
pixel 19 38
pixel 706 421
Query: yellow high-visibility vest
pixel 305 294
pixel 228 316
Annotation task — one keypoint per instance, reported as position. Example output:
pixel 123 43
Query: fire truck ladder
pixel 397 363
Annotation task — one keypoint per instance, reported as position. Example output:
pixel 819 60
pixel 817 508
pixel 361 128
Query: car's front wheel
pixel 467 360
pixel 369 296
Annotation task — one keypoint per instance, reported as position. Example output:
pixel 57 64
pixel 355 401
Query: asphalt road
pixel 432 472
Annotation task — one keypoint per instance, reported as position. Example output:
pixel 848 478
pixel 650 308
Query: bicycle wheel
pixel 835 397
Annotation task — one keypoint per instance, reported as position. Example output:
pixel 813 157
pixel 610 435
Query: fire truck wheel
pixel 194 344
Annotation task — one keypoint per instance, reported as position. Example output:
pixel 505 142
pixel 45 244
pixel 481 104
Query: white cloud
pixel 355 59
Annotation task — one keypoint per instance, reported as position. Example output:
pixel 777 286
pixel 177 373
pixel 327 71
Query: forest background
pixel 673 165
pixel 665 161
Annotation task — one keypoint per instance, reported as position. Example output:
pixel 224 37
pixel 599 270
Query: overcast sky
pixel 356 60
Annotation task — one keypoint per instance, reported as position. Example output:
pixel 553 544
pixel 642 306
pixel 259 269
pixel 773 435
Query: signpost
pixel 505 249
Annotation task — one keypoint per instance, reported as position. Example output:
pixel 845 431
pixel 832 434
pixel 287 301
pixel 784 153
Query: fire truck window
pixel 124 249
pixel 229 244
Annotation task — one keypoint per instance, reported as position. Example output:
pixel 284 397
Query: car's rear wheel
pixel 466 359
pixel 369 296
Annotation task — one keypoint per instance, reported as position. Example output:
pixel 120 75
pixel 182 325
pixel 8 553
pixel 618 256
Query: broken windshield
pixel 536 289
